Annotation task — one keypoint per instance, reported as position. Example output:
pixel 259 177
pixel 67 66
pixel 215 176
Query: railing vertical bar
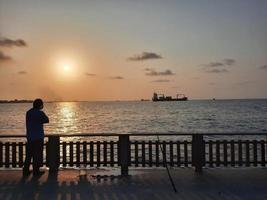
pixel 157 153
pixel 218 159
pixel 20 154
pixel 263 161
pixel 85 153
pixel 210 153
pixel 185 153
pixel 232 147
pixel 98 153
pixel 1 154
pixel 136 153
pixel 105 153
pixel 150 153
pixel 7 153
pixel 14 154
pixel 164 153
pixel 255 157
pixel 78 154
pixel 225 161
pixel 64 154
pixel 143 154
pixel 247 153
pixel 240 156
pixel 91 153
pixel 178 151
pixel 171 153
pixel 111 153
pixel 71 153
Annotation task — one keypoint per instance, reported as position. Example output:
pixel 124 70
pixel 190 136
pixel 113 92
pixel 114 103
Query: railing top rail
pixel 142 134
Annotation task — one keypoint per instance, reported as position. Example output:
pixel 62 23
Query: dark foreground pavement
pixel 150 184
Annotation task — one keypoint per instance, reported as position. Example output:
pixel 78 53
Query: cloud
pixel 263 67
pixel 22 72
pixel 116 77
pixel 217 71
pixel 229 61
pixel 5 42
pixel 152 72
pixel 215 64
pixel 219 66
pixel 145 56
pixel 224 63
pixel 89 74
pixel 161 81
pixel 4 57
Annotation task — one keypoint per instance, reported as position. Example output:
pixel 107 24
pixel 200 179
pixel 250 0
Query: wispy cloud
pixel 6 42
pixel 161 81
pixel 219 66
pixel 89 74
pixel 263 67
pixel 4 57
pixel 217 71
pixel 224 63
pixel 152 72
pixel 229 61
pixel 22 72
pixel 145 56
pixel 214 64
pixel 116 77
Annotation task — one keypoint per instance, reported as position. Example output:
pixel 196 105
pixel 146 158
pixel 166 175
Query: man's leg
pixel 41 149
pixel 29 155
pixel 37 156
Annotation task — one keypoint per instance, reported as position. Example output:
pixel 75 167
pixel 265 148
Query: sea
pixel 193 116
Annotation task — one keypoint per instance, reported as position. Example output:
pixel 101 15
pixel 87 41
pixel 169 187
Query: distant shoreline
pixel 16 101
pixel 30 101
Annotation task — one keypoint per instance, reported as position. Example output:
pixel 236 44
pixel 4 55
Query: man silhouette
pixel 35 118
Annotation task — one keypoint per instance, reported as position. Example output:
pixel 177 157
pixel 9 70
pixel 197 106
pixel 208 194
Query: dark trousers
pixel 34 150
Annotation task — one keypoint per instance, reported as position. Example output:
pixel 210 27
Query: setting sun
pixel 66 68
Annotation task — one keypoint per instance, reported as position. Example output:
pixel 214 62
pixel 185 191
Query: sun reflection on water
pixel 67 116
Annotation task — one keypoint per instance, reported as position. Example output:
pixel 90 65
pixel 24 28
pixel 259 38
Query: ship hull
pixel 179 99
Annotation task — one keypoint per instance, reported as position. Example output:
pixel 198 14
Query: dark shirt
pixel 35 119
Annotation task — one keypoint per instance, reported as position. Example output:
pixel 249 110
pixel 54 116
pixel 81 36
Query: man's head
pixel 38 103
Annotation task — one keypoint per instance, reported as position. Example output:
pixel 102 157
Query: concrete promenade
pixel 150 184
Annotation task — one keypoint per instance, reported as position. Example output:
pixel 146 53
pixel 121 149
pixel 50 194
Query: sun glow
pixel 66 68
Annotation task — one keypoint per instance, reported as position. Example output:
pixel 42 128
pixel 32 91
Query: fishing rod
pixel 164 161
pixel 167 168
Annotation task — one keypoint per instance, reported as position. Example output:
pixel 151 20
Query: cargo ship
pixel 162 97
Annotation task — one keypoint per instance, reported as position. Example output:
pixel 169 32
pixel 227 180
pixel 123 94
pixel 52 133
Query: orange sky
pixel 123 50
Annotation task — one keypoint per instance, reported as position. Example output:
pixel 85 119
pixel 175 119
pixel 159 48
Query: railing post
pixel 53 153
pixel 198 152
pixel 124 153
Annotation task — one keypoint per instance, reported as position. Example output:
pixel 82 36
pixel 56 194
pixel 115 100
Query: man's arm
pixel 45 119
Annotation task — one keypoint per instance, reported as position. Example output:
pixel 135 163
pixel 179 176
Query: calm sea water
pixel 123 117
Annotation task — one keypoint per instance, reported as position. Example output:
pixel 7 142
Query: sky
pixel 90 50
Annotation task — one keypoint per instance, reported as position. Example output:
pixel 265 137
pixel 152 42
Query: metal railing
pixel 197 150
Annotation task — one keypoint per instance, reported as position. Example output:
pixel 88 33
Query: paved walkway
pixel 150 184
